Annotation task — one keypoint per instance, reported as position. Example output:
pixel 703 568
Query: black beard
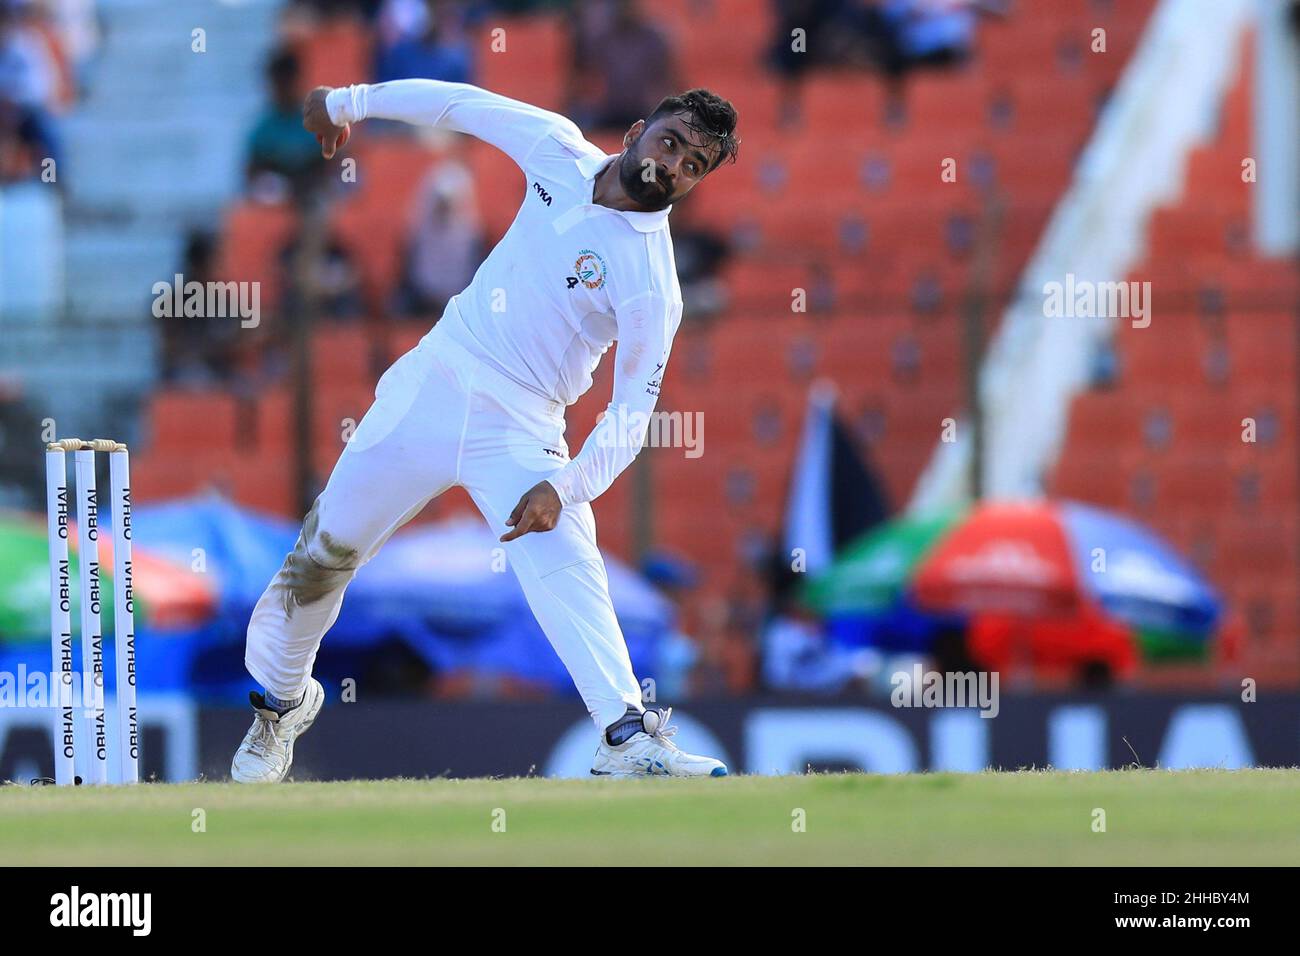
pixel 648 194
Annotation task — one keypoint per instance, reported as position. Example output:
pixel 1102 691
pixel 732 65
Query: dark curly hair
pixel 707 115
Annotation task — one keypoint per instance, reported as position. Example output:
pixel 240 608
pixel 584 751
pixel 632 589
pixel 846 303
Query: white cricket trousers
pixel 441 417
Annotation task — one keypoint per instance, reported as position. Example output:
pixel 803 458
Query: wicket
pixel 95 762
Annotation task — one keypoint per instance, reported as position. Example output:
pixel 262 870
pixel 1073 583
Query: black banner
pixel 428 738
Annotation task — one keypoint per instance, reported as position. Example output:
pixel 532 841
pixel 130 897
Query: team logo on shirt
pixel 589 270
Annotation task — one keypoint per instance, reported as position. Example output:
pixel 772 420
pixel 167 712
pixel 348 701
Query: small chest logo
pixel 589 270
pixel 546 197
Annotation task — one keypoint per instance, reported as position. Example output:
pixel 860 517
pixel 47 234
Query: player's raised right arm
pixel 510 125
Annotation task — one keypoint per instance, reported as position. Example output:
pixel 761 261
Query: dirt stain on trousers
pixel 317 567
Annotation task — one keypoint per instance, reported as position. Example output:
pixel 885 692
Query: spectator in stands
pixel 431 45
pixel 20 425
pixel 700 253
pixel 333 280
pixel 797 654
pixel 445 242
pixel 28 93
pixel 809 34
pixel 198 350
pixel 622 65
pixel 905 34
pixel 78 31
pixel 296 24
pixel 805 33
pixel 895 36
pixel 400 20
pixel 334 8
pixel 519 7
pixel 282 156
pixel 677 653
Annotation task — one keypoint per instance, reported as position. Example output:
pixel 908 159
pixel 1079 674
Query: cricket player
pixel 480 403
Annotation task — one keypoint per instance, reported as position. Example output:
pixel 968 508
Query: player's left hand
pixel 538 510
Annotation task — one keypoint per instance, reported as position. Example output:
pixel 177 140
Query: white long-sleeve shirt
pixel 567 279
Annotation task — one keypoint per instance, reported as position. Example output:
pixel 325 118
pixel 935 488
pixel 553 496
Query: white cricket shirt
pixel 567 279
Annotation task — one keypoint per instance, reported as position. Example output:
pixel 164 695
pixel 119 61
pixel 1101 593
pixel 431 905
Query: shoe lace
pixel 264 738
pixel 664 731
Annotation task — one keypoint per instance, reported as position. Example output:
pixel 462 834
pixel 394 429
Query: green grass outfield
pixel 1210 817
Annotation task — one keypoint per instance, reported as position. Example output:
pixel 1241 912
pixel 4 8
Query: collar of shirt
pixel 591 164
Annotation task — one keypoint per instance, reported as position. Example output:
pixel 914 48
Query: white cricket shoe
pixel 649 752
pixel 267 751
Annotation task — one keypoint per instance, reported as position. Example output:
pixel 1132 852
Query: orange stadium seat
pixel 534 64
pixel 161 474
pixel 342 357
pixel 335 415
pixel 272 419
pixel 1102 476
pixel 1264 548
pixel 1220 343
pixel 374 221
pixel 253 235
pixel 337 53
pixel 500 185
pixel 836 101
pixel 757 99
pixel 1261 347
pixel 1102 421
pixel 767 286
pixel 184 421
pixel 750 24
pixel 944 100
pixel 402 338
pixel 265 480
pixel 390 168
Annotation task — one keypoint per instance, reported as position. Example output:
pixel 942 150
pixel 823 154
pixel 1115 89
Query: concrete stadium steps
pixel 158 141
pixel 87 375
pixel 161 125
pixel 154 148
pixel 111 270
pixel 175 170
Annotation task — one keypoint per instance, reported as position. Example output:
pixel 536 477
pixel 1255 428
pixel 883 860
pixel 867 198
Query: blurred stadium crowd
pixel 836 194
